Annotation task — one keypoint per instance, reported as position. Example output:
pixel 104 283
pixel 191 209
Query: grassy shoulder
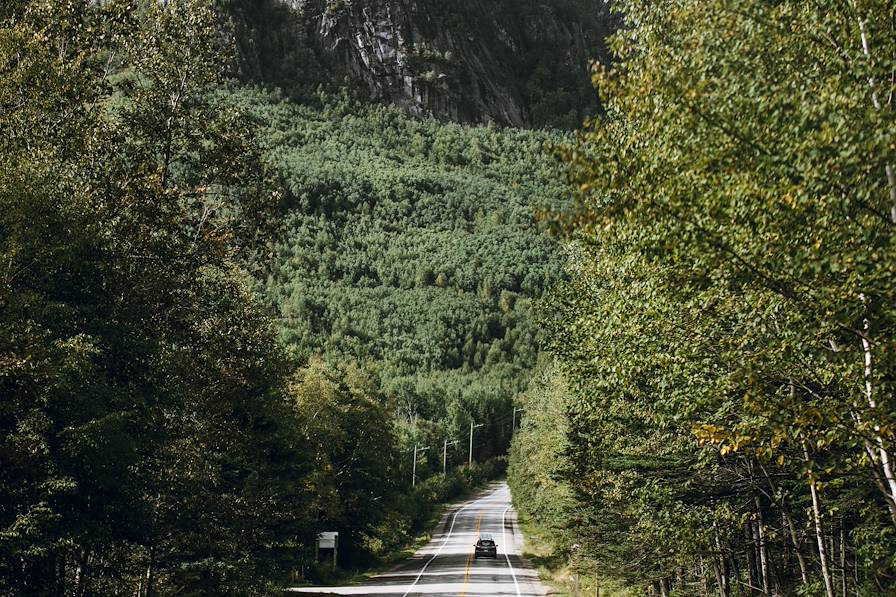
pixel 555 568
pixel 419 539
pixel 436 497
pixel 428 510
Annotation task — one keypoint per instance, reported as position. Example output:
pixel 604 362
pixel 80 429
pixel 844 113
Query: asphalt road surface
pixel 446 566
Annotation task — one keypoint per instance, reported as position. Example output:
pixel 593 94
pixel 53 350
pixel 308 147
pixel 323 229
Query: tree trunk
pixel 794 538
pixel 884 454
pixel 877 453
pixel 819 532
pixel 721 565
pixel 752 563
pixel 765 565
pixel 721 581
pixel 843 586
pixel 704 581
pixel 81 572
pixel 788 520
pixel 147 578
pixel 878 476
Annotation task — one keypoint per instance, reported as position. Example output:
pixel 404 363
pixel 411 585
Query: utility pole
pixel 515 410
pixel 445 454
pixel 414 468
pixel 472 427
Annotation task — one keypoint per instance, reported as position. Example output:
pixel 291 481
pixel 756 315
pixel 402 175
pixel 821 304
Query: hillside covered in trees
pixel 235 298
pixel 412 247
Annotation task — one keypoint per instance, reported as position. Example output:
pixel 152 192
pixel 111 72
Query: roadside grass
pixel 390 560
pixel 345 577
pixel 384 563
pixel 437 520
pixel 555 570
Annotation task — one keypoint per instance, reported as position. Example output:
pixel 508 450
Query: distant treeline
pixel 412 247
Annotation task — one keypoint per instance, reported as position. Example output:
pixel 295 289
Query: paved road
pixel 446 567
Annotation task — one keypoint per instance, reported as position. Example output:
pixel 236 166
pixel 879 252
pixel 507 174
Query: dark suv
pixel 486 547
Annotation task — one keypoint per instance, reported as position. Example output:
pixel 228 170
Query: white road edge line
pixel 438 551
pixel 507 557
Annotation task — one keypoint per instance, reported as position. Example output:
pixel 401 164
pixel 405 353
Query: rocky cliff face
pixel 513 62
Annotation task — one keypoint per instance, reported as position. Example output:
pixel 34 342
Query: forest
pixel 411 247
pixel 228 318
pixel 237 298
pixel 718 418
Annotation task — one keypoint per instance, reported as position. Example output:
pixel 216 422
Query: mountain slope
pixel 412 246
pixel 513 62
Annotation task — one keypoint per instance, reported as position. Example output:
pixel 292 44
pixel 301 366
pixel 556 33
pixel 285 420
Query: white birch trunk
pixel 883 453
pixel 763 552
pixel 877 453
pixel 819 533
pixel 885 460
pixel 843 586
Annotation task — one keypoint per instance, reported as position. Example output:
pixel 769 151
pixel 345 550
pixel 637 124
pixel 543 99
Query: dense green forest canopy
pixel 412 247
pixel 229 315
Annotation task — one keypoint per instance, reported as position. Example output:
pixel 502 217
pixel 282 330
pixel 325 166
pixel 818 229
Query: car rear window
pixel 486 542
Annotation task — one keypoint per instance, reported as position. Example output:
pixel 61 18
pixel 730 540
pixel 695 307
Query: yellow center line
pixel 463 592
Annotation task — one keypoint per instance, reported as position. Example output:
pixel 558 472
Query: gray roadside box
pixel 328 540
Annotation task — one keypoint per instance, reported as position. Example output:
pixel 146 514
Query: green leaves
pixel 733 223
pixel 142 385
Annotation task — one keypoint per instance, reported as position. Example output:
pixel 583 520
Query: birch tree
pixel 732 299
